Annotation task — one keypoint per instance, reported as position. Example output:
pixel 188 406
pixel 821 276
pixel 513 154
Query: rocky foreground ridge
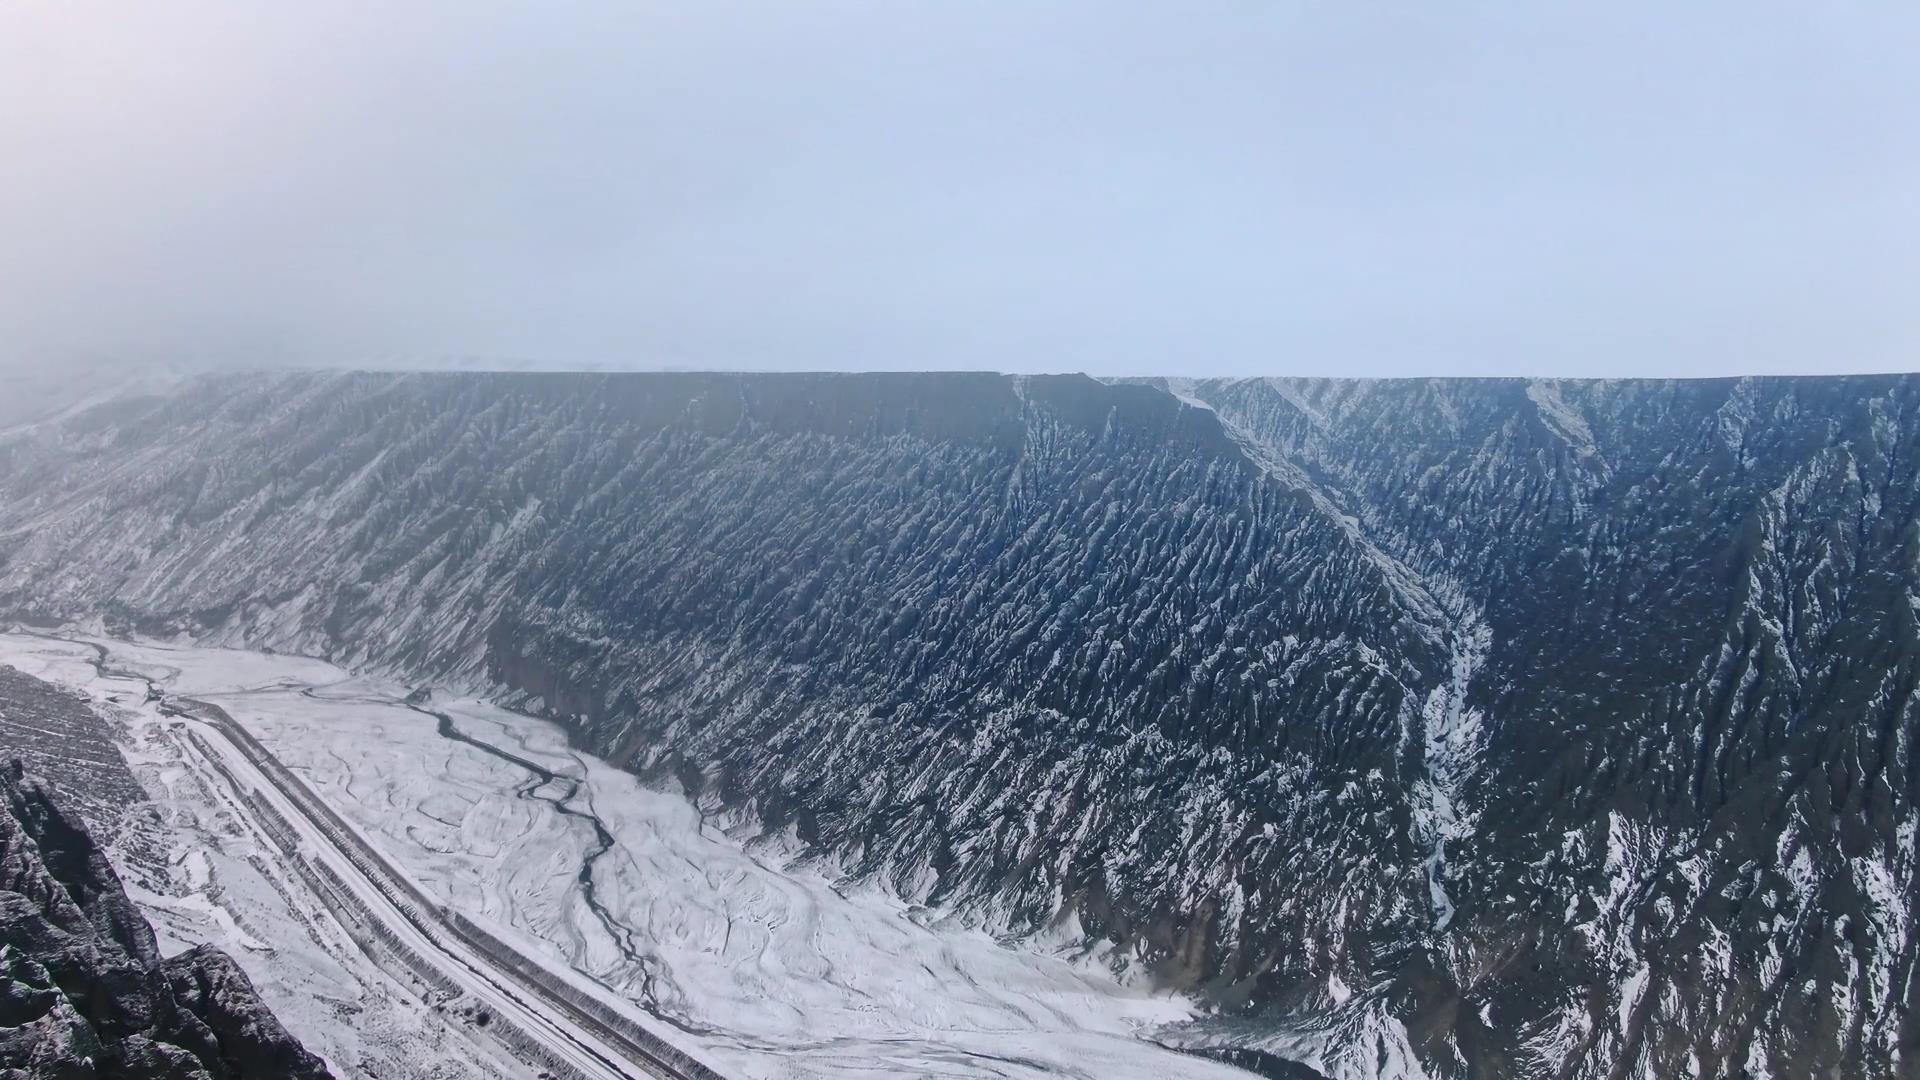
pixel 84 991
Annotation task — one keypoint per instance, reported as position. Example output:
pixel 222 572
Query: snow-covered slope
pixel 1480 727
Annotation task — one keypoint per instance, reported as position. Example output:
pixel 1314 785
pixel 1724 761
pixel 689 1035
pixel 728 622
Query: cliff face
pixel 86 992
pixel 1692 797
pixel 1487 727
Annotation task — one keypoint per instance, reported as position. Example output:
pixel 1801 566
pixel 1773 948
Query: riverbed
pixel 771 966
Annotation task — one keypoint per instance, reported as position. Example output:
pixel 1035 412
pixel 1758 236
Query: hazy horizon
pixel 1121 189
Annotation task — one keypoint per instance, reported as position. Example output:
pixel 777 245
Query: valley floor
pixel 758 964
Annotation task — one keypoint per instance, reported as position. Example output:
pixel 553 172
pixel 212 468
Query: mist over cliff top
pixel 1117 188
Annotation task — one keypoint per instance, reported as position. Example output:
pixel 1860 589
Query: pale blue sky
pixel 1217 187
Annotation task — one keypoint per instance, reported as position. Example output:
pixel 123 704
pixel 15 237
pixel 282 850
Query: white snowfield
pixel 202 870
pixel 754 964
pixel 363 896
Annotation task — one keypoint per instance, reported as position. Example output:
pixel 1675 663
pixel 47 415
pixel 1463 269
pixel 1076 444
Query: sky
pixel 1192 187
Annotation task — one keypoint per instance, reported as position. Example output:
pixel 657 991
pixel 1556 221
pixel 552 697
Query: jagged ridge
pixel 1485 727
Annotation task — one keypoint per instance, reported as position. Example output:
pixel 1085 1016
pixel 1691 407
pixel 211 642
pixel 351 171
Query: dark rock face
pixel 1697 784
pixel 86 993
pixel 1490 728
pixel 208 984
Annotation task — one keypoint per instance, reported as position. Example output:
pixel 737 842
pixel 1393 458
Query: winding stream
pixel 540 786
pixel 559 791
pixel 875 1004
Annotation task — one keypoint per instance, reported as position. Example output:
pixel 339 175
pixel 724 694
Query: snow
pixel 1182 389
pixel 217 881
pixel 1361 1041
pixel 1561 418
pixel 1630 992
pixel 767 966
pixel 1450 749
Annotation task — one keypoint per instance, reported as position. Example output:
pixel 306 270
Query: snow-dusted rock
pixel 86 993
pixel 1472 727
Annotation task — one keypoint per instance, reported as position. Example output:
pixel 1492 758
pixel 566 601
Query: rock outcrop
pixel 86 993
